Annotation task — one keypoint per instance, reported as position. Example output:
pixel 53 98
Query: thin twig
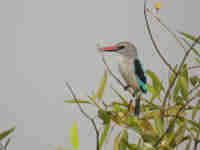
pixel 193 67
pixel 85 114
pixel 153 41
pixel 193 89
pixel 167 28
pixel 179 71
pixel 173 121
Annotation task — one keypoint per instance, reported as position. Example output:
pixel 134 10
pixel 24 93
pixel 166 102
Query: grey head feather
pixel 129 50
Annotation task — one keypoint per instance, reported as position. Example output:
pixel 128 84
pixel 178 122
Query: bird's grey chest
pixel 126 69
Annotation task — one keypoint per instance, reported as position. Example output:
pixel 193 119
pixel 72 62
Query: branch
pixel 179 71
pixel 153 41
pixel 194 67
pixel 85 114
pixel 173 121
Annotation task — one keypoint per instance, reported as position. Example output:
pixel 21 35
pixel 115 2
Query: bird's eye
pixel 121 47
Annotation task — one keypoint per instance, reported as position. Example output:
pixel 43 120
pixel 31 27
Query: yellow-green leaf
pixel 156 83
pixel 188 145
pixel 159 124
pixel 117 141
pixel 147 127
pixel 179 134
pixel 194 80
pixel 153 92
pixel 197 60
pixel 77 101
pixel 183 87
pixel 195 110
pixel 123 144
pixel 6 133
pixel 74 136
pixel 104 134
pixel 102 86
pixel 189 36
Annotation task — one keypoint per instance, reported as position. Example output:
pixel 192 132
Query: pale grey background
pixel 45 42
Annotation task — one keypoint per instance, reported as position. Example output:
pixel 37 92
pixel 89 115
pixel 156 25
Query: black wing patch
pixel 139 71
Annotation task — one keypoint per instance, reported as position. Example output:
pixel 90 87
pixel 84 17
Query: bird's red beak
pixel 109 49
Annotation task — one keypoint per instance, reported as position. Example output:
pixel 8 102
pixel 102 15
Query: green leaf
pixel 103 115
pixel 147 127
pixel 189 36
pixel 184 87
pixel 176 90
pixel 6 133
pixel 134 124
pixel 102 86
pixel 159 124
pixel 193 123
pixel 156 83
pixel 74 136
pixel 149 138
pixel 194 80
pixel 123 144
pixel 178 136
pixel 120 96
pixel 195 110
pixel 197 60
pixel 188 145
pixel 152 91
pixel 77 101
pixel 117 141
pixel 104 134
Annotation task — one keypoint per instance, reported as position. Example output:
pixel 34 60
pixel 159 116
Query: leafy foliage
pixel 169 117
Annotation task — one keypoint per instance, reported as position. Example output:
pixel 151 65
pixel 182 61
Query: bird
pixel 131 69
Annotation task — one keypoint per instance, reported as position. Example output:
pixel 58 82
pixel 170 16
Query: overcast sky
pixel 45 42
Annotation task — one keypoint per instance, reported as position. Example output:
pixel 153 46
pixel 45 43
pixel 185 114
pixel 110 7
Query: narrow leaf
pixel 6 133
pixel 188 145
pixel 156 83
pixel 102 86
pixel 195 110
pixel 153 92
pixel 179 134
pixel 197 60
pixel 123 144
pixel 159 124
pixel 117 141
pixel 74 136
pixel 77 101
pixel 104 134
pixel 184 87
pixel 189 36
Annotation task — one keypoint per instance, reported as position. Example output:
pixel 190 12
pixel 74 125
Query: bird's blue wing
pixel 140 75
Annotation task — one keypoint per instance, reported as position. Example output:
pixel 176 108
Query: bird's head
pixel 123 48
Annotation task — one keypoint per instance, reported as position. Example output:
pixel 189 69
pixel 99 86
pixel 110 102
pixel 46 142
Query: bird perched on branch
pixel 130 68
